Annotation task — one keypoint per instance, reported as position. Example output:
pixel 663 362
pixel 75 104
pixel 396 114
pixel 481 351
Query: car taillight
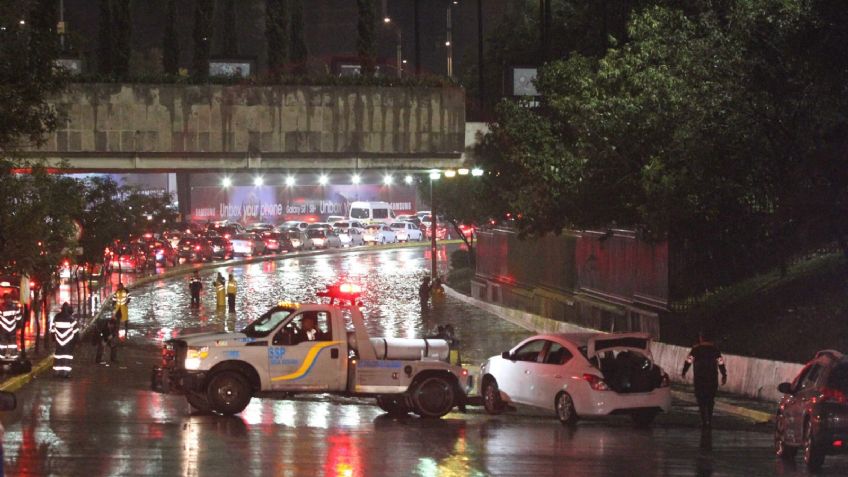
pixel 595 382
pixel 168 355
pixel 665 381
pixel 833 395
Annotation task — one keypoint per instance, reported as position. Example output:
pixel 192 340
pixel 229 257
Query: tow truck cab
pixel 312 348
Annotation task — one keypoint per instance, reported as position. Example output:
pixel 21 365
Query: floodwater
pixel 105 421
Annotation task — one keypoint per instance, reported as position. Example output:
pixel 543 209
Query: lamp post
pixel 434 175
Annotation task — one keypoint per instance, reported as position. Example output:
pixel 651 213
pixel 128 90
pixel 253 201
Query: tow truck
pixel 320 347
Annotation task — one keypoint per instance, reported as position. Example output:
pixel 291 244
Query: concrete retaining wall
pixel 750 377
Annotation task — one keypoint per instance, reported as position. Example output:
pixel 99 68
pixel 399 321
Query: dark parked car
pixel 194 249
pixel 813 414
pixel 276 242
pixel 221 248
pixel 129 258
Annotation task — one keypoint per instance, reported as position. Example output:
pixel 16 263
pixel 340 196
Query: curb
pixel 723 406
pixel 16 382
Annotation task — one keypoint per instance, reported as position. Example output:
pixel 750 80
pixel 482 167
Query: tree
pixel 366 39
pixel 27 74
pixel 121 38
pixel 229 42
pixel 457 199
pixel 276 34
pixel 203 14
pixel 299 51
pixel 170 42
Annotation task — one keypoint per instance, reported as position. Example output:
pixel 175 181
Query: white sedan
pixel 379 233
pixel 407 231
pixel 350 233
pixel 578 375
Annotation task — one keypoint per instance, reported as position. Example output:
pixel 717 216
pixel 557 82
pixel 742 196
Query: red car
pixel 194 249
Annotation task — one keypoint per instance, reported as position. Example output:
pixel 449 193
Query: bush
pixel 461 259
pixel 460 280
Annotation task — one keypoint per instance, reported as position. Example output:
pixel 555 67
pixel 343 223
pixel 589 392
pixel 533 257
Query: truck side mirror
pixel 785 388
pixel 8 401
pixel 506 355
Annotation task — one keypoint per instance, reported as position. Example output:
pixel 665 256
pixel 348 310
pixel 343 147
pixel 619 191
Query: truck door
pixel 304 357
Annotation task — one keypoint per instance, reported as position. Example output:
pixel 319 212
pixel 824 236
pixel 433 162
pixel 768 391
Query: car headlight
pixel 195 356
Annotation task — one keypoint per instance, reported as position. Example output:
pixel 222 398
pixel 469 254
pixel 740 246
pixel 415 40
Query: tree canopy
pixel 719 127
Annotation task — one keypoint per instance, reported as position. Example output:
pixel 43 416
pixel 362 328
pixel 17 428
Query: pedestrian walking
pixel 106 334
pixel 220 291
pixel 64 330
pixel 706 362
pixel 195 287
pixel 424 292
pixel 10 321
pixel 122 301
pixel 232 288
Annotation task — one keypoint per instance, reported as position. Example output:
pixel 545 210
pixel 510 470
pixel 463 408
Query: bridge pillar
pixel 184 194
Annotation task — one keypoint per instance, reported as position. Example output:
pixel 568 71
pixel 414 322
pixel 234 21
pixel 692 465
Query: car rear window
pixel 316 233
pixel 629 342
pixel 838 378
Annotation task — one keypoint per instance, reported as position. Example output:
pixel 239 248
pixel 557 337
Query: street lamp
pixel 322 180
pixel 258 181
pixel 408 179
pixel 387 20
pixel 355 179
pixel 476 172
pixel 388 179
pixel 434 175
pixel 290 181
pixel 450 173
pixel 226 182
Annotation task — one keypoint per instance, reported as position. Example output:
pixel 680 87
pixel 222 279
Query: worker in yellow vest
pixel 220 291
pixel 232 288
pixel 122 299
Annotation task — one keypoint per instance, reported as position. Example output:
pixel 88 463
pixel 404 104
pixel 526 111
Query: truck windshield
pixel 266 323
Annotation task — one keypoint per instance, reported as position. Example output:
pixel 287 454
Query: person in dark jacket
pixel 706 362
pixel 195 287
pixel 105 334
pixel 64 329
pixel 424 292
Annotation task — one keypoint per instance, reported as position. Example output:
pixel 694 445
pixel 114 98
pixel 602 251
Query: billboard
pixel 275 204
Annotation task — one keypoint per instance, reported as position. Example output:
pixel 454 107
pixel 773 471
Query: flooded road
pixel 104 421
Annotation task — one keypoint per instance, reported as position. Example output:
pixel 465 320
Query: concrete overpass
pixel 184 128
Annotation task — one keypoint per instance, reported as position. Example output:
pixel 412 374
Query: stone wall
pixel 186 120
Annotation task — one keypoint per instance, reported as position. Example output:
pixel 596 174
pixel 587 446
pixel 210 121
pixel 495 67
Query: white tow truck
pixel 312 348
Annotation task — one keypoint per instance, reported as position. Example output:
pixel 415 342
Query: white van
pixel 372 212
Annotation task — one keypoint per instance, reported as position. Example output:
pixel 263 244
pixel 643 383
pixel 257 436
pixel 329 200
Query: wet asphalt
pixel 105 421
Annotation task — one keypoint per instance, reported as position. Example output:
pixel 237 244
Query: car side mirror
pixel 507 355
pixel 785 388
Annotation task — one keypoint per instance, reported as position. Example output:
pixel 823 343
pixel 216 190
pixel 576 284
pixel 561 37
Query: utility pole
pixel 449 42
pixel 417 38
pixel 480 53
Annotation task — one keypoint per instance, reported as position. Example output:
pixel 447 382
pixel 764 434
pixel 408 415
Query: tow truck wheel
pixel 228 392
pixel 198 401
pixel 393 405
pixel 492 397
pixel 433 397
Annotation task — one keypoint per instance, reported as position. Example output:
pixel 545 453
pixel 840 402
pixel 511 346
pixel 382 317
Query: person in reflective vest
pixel 122 299
pixel 9 323
pixel 64 329
pixel 195 287
pixel 220 291
pixel 232 288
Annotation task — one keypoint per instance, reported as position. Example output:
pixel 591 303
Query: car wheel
pixel 433 397
pixel 228 392
pixel 492 397
pixel 199 402
pixel 564 406
pixel 780 448
pixel 393 405
pixel 813 452
pixel 643 418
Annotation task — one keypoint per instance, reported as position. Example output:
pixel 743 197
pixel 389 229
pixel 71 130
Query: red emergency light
pixel 837 443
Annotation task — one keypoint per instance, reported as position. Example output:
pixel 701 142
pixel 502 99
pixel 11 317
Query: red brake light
pixel 595 382
pixel 226 236
pixel 197 247
pixel 837 443
pixel 833 395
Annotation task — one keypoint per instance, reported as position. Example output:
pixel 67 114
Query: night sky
pixel 330 31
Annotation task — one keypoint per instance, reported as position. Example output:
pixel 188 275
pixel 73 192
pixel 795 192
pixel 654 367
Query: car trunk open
pixel 625 361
